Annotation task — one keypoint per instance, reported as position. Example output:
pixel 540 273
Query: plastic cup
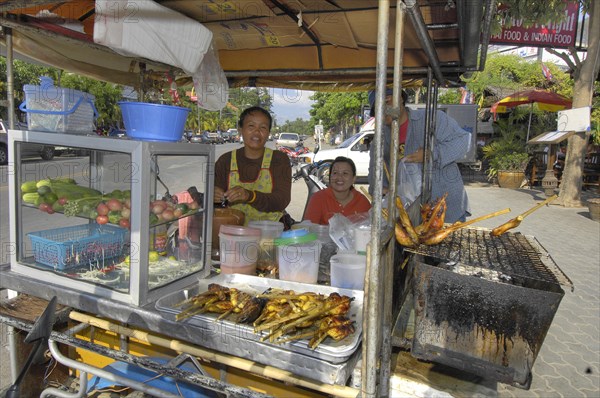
pixel 362 236
pixel 298 254
pixel 269 230
pixel 239 249
pixel 348 271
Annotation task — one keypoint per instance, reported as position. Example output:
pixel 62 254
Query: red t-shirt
pixel 403 130
pixel 323 205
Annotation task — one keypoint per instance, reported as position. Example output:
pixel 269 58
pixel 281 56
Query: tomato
pixel 158 208
pixel 102 219
pixel 125 212
pixel 114 205
pixel 123 222
pixel 168 215
pixel 102 209
pixel 44 207
pixel 62 201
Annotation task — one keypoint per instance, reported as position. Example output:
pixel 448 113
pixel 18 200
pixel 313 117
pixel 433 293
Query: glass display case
pixel 121 219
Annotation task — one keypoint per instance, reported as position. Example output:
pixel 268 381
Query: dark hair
pixel 252 109
pixel 343 159
pixel 388 91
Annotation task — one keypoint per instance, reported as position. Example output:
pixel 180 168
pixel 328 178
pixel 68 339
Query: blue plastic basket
pixel 81 245
pixel 154 122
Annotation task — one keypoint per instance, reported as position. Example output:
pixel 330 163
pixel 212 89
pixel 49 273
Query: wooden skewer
pixel 454 227
pixel 534 208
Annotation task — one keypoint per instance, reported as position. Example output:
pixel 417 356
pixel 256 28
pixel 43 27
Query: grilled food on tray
pixel 222 300
pixel 284 314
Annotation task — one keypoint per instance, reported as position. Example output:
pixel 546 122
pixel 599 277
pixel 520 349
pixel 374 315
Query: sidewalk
pixel 568 364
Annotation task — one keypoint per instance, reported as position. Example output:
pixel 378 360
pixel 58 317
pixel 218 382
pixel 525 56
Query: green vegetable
pixel 93 214
pixel 56 206
pixel 28 187
pixel 153 219
pixel 31 198
pixel 44 189
pixel 116 194
pixel 114 217
pixel 50 198
pixel 183 207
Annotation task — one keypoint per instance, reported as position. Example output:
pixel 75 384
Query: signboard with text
pixel 558 35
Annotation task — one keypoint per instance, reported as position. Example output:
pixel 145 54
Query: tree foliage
pixel 338 110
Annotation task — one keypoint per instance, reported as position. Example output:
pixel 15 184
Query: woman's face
pixel 255 130
pixel 341 177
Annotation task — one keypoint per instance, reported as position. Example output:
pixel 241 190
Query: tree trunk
pixel 570 187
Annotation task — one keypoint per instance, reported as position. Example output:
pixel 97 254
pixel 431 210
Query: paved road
pixel 568 364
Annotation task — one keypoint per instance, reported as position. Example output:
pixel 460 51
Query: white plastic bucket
pixel 238 249
pixel 298 253
pixel 348 271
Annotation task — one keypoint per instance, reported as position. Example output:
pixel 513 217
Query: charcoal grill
pixel 484 304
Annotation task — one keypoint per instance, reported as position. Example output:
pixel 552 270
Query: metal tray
pixel 328 350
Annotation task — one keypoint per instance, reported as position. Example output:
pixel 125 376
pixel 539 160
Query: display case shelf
pixel 149 259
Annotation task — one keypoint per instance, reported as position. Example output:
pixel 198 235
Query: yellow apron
pixel 263 183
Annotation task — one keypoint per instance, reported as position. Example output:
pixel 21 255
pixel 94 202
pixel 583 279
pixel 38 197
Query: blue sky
pixel 290 104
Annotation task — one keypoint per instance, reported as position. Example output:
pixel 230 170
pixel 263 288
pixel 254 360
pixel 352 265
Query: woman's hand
pixel 415 157
pixel 238 195
pixel 219 195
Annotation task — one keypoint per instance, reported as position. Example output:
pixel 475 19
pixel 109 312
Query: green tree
pixel 298 126
pixel 338 110
pixel 584 73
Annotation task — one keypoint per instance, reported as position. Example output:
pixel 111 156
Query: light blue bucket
pixel 154 122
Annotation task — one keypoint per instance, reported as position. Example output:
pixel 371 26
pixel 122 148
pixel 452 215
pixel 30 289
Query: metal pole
pixel 388 266
pixel 371 322
pixel 529 125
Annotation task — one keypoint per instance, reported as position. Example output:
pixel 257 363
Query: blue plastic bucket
pixel 154 122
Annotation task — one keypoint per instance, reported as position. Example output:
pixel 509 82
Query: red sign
pixel 561 35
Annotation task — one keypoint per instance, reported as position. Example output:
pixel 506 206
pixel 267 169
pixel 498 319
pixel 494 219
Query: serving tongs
pixel 167 197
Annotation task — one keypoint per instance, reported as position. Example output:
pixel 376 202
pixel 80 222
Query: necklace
pixel 344 201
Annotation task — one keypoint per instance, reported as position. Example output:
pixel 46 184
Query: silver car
pixel 291 140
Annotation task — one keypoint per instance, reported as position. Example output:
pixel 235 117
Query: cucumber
pixel 29 187
pixel 44 190
pixel 30 197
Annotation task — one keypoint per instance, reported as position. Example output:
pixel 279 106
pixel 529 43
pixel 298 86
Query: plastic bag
pixel 409 181
pixel 340 231
pixel 210 83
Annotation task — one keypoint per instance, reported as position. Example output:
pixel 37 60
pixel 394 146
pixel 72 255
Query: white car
pixel 355 148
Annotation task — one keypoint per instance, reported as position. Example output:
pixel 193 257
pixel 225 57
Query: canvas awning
pixel 308 44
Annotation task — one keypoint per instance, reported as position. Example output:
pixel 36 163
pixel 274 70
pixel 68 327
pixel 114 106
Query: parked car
pixel 226 136
pixel 214 137
pixel 355 148
pixel 200 138
pixel 46 152
pixel 234 135
pixel 291 140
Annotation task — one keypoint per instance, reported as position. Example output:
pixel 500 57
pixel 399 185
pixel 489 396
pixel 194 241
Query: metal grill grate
pixel 512 254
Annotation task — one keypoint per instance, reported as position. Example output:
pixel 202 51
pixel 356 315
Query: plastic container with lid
pixel 298 252
pixel 348 270
pixel 239 249
pixel 269 230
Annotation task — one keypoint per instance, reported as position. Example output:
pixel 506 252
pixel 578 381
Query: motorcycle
pixel 308 172
pixel 294 153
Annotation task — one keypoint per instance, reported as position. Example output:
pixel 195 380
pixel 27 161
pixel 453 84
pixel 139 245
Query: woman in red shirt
pixel 339 197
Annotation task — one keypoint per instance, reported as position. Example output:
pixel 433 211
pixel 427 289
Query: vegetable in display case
pixel 127 220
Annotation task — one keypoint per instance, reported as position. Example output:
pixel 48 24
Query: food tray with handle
pixel 328 350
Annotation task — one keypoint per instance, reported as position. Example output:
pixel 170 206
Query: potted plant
pixel 510 169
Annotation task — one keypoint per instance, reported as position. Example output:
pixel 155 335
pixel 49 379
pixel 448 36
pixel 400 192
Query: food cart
pixel 317 45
